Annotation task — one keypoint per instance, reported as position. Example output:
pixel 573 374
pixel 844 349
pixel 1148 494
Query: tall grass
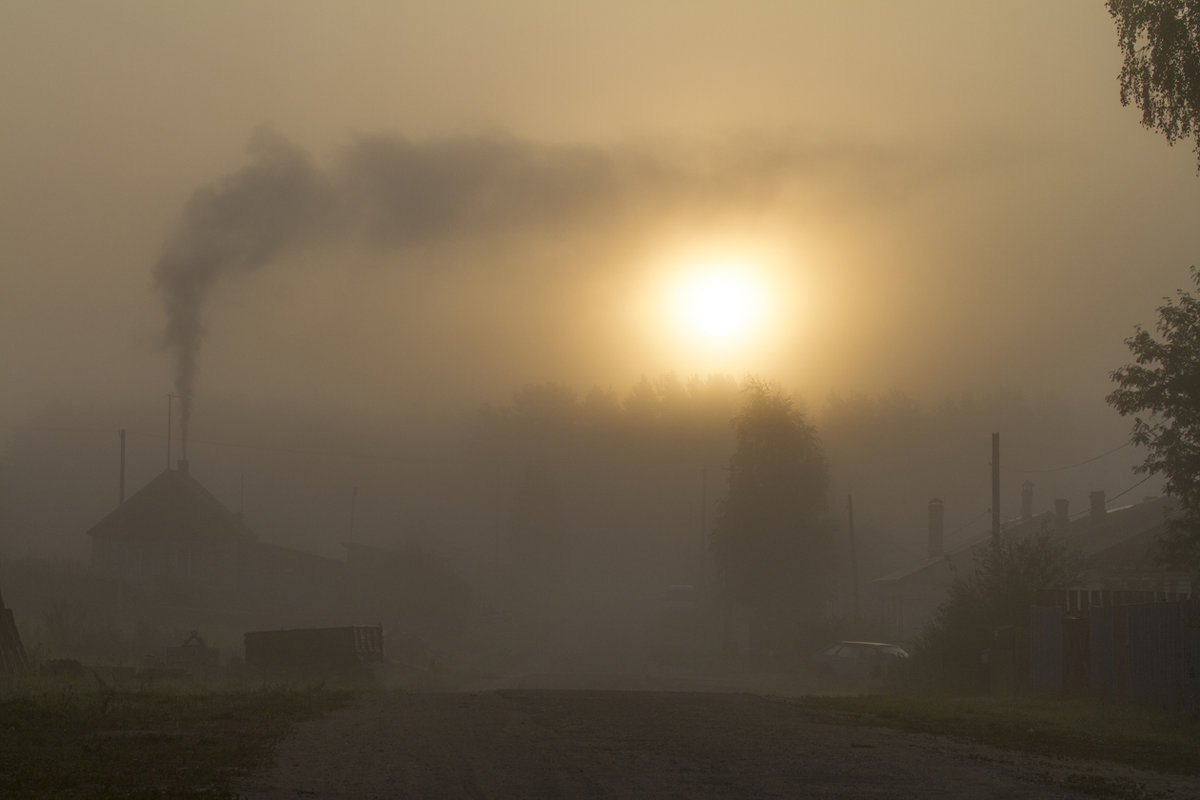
pixel 92 739
pixel 1088 729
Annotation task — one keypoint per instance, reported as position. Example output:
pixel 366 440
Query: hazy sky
pixel 934 196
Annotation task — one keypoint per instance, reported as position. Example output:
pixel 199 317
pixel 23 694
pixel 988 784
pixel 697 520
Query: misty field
pixel 76 739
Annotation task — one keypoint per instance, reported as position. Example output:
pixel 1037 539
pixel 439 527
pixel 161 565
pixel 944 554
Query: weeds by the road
pixel 1106 787
pixel 94 740
pixel 1062 728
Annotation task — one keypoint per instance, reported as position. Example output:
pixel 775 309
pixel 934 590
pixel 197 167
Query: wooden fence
pixel 1144 652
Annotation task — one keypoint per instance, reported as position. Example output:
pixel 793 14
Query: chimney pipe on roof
pixel 183 466
pixel 1097 509
pixel 937 538
pixel 1026 501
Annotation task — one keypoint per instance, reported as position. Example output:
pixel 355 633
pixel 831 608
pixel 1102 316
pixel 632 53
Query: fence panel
pixel 1076 666
pixel 1189 620
pixel 1154 654
pixel 1103 655
pixel 1148 652
pixel 1046 650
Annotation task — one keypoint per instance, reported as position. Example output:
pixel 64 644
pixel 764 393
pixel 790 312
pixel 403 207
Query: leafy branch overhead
pixel 1161 391
pixel 1160 42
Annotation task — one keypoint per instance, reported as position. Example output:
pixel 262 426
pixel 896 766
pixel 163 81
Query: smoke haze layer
pixel 386 192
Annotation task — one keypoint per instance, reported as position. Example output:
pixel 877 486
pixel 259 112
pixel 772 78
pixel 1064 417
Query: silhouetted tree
pixel 626 472
pixel 1008 575
pixel 1160 40
pixel 1161 389
pixel 772 541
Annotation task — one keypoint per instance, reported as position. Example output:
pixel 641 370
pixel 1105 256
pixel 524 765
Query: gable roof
pixel 172 506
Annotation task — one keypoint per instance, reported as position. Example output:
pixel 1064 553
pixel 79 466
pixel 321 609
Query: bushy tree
pixel 1161 391
pixel 1008 575
pixel 1160 40
pixel 772 541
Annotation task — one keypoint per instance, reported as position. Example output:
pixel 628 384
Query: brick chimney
pixel 1026 501
pixel 1098 512
pixel 937 536
pixel 1061 517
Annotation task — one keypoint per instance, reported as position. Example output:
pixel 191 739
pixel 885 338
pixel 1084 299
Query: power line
pixel 1130 489
pixel 1108 500
pixel 954 534
pixel 1076 464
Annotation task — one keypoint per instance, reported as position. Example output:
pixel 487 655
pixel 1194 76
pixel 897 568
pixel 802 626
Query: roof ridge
pixel 172 501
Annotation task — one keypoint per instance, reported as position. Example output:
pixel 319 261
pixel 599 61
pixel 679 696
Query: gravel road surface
pixel 556 743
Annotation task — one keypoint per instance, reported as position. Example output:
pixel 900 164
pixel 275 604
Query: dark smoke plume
pixel 384 192
pixel 388 192
pixel 236 226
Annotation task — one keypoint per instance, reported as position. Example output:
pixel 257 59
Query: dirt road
pixel 522 743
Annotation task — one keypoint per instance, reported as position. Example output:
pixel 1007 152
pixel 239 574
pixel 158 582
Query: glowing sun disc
pixel 719 301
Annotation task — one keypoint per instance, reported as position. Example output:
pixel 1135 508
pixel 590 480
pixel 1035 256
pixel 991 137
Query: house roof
pixel 1132 556
pixel 965 551
pixel 1120 525
pixel 1128 531
pixel 172 506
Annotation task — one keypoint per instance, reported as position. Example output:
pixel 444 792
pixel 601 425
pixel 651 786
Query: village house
pixel 174 544
pixel 1117 548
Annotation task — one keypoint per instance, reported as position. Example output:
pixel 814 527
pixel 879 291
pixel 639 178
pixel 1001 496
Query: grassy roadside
pixel 84 740
pixel 1063 728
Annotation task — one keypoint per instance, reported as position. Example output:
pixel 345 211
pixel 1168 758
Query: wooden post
pixel 853 558
pixel 121 490
pixel 170 397
pixel 995 487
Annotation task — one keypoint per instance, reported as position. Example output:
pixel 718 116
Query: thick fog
pixel 411 274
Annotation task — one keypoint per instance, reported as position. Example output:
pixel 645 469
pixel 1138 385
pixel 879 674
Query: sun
pixel 720 300
pixel 717 303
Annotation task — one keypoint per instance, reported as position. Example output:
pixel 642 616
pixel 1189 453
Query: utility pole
pixel 121 490
pixel 170 397
pixel 853 557
pixel 995 488
pixel 699 562
pixel 353 502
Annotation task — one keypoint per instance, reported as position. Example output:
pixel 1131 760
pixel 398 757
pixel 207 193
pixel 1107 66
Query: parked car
pixel 856 663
